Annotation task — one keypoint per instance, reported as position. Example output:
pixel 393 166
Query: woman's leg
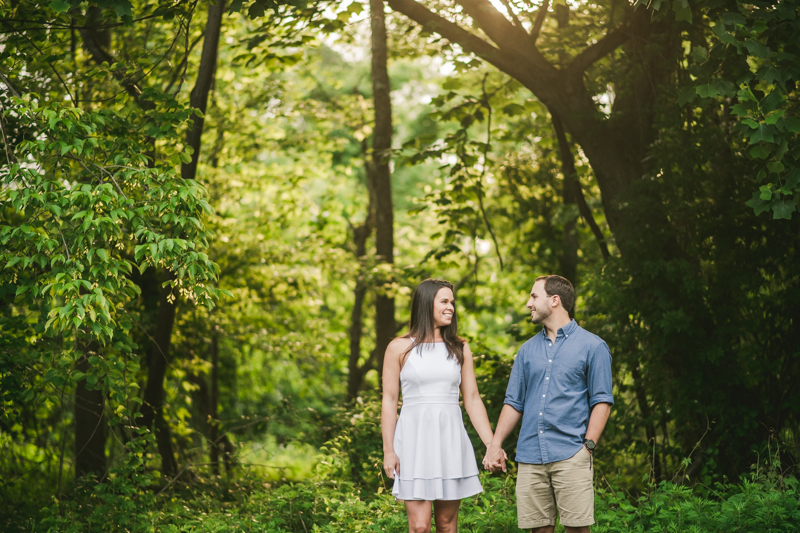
pixel 445 515
pixel 419 516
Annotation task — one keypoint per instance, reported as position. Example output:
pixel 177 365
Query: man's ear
pixel 556 300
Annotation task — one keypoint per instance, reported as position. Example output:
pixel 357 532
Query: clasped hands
pixel 495 458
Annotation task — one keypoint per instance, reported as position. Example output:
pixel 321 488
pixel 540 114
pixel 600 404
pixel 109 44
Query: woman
pixel 427 451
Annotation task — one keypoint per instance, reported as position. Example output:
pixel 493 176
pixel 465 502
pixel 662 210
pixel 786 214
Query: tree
pixel 385 327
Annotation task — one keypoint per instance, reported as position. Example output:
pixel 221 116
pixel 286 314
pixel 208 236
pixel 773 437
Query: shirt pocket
pixel 572 376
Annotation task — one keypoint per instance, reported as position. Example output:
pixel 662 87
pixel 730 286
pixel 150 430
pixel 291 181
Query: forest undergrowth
pixel 764 503
pixel 344 490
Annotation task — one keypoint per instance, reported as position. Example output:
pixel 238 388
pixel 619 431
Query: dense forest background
pixel 213 215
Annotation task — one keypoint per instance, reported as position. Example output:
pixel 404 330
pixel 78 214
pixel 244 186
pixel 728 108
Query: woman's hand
pixel 391 464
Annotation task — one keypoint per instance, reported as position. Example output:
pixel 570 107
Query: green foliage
pixel 744 56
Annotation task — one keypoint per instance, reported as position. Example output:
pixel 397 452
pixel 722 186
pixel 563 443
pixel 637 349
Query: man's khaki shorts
pixel 565 485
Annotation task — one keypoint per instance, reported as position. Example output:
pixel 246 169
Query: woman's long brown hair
pixel 421 329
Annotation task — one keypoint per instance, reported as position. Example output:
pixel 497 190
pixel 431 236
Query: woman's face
pixel 444 306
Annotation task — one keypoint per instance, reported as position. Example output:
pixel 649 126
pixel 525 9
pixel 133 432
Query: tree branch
pixel 541 14
pixel 607 44
pixel 574 185
pixel 495 25
pixel 511 13
pixel 450 31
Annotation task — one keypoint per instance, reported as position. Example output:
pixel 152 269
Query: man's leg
pixel 536 506
pixel 574 491
pixel 419 516
pixel 445 515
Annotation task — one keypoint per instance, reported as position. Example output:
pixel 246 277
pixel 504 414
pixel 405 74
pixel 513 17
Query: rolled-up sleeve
pixel 517 385
pixel 599 378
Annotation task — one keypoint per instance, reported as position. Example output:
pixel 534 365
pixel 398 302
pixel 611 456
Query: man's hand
pixel 391 464
pixel 495 458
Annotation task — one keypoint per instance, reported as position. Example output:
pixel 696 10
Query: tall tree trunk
pixel 90 423
pixel 205 79
pixel 382 146
pixel 157 363
pixel 159 354
pixel 569 252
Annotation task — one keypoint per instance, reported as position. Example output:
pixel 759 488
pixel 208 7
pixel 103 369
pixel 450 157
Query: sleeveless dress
pixel 437 461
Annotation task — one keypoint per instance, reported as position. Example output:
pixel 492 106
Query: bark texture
pixel 381 146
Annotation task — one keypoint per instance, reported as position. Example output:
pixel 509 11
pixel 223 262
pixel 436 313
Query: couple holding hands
pixel 560 387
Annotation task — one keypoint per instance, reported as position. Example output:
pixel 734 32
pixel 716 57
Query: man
pixel 560 386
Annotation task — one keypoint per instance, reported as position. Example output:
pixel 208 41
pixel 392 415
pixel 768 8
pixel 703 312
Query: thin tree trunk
pixel 90 424
pixel 361 233
pixel 649 426
pixel 205 79
pixel 213 401
pixel 572 186
pixel 381 146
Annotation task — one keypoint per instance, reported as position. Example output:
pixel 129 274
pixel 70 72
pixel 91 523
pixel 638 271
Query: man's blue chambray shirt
pixel 554 385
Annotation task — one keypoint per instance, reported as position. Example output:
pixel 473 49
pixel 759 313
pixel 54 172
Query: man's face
pixel 539 303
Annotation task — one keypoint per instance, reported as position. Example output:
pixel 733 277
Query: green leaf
pixel 783 209
pixel 776 167
pixel 682 9
pixel 59 6
pixel 773 118
pixel 123 8
pixel 766 192
pixel 700 53
pixel 792 124
pixel 762 134
pixel 759 152
pixel 707 91
pixel 757 204
pixel 792 178
pixel 740 110
pixel 687 95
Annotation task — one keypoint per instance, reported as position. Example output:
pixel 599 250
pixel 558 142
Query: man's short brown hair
pixel 556 285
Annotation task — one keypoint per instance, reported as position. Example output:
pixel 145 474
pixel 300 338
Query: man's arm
pixel 495 456
pixel 597 421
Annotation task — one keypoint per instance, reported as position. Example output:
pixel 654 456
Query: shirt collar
pixel 566 331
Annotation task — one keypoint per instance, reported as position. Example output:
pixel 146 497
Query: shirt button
pixel 542 395
pixel 540 414
pixel 540 431
pixel 550 344
pixel 549 360
pixel 546 378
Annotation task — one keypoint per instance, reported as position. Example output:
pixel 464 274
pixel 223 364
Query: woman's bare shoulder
pixel 399 345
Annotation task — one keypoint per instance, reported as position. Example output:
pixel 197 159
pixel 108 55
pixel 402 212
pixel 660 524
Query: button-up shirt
pixel 554 384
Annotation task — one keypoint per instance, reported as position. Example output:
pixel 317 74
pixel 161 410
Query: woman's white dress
pixel 437 461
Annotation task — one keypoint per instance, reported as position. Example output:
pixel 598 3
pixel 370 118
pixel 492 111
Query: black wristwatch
pixel 590 444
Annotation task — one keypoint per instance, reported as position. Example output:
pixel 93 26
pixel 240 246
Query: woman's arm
pixel 391 392
pixel 472 398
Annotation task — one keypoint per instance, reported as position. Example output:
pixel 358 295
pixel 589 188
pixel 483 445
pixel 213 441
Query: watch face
pixel 590 444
